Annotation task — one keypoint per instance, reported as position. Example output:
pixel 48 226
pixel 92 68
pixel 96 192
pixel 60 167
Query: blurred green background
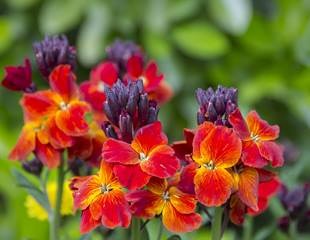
pixel 260 46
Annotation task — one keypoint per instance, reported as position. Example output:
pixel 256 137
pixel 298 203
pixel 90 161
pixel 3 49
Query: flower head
pixel 258 138
pixel 101 199
pixel 53 51
pixel 163 198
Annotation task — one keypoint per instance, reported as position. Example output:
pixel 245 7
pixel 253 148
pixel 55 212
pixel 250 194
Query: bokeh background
pixel 262 47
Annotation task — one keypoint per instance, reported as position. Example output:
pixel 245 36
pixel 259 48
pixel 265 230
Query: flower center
pixel 254 137
pixel 100 86
pixel 143 157
pixel 210 165
pixel 105 188
pixel 63 106
pixel 166 196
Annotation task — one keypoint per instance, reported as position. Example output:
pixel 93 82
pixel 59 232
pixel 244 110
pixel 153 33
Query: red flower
pixel 257 140
pixel 184 148
pixel 177 208
pixel 147 155
pixel 19 78
pixel 215 150
pixel 101 199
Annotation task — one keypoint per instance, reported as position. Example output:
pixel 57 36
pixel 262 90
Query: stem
pixel 247 229
pixel 217 224
pixel 160 231
pixel 56 215
pixel 135 229
pixel 293 229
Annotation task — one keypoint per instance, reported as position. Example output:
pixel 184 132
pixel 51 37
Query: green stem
pixel 217 224
pixel 56 215
pixel 135 229
pixel 293 230
pixel 160 231
pixel 247 229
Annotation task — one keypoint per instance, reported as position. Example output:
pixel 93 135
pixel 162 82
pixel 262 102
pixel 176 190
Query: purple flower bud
pixel 291 151
pixel 33 166
pixel 126 127
pixel 53 51
pixel 109 130
pixel 153 112
pixel 284 223
pixel 143 107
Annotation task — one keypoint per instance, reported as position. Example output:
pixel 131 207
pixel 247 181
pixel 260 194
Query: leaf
pixel 232 15
pixel 6 33
pixel 92 35
pixel 21 4
pixel 61 15
pixel 33 190
pixel 180 9
pixel 174 237
pixel 200 39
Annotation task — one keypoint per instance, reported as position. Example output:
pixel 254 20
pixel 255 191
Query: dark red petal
pixel 239 124
pixel 135 66
pixel 106 72
pixel 251 156
pixel 272 152
pixel 88 223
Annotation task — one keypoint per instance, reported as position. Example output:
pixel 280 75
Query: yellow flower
pixel 35 210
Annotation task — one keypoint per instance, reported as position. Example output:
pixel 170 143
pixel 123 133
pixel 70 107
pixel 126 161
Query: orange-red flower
pixel 258 138
pixel 52 118
pixel 177 208
pixel 147 155
pixel 101 199
pixel 215 150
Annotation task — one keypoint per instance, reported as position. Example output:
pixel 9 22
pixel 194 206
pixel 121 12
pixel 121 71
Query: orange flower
pixel 177 208
pixel 101 199
pixel 258 138
pixel 215 150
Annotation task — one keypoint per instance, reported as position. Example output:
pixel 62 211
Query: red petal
pixel 239 124
pixel 186 183
pixel 251 156
pixel 177 222
pixel 88 223
pixel 81 149
pixel 135 66
pixel 237 210
pixel 248 187
pixel 183 148
pixel 157 185
pixel 261 128
pixel 106 72
pixel 222 146
pixel 152 79
pixel 116 151
pixel 92 95
pixel 62 80
pixel 161 162
pixel 58 138
pixel 182 202
pixel 131 176
pixel 162 94
pixel 71 121
pixel 149 137
pixel 262 206
pixel 213 187
pixel 269 189
pixel 272 152
pixel 48 155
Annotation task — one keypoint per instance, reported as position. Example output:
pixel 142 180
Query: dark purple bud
pixel 220 104
pixel 109 130
pixel 291 152
pixel 230 107
pixel 53 51
pixel 19 78
pixel 201 97
pixel 133 99
pixel 126 127
pixel 121 92
pixel 200 118
pixel 153 112
pixel 211 113
pixel 33 166
pixel 143 107
pixel 113 118
pixel 284 223
pixel 79 167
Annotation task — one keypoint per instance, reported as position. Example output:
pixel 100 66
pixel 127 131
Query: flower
pixel 19 78
pixel 101 199
pixel 148 155
pixel 52 119
pixel 184 148
pixel 53 51
pixel 35 210
pixel 176 207
pixel 258 146
pixel 215 150
pixel 215 106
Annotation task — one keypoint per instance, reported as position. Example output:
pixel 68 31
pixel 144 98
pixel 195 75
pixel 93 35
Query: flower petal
pixel 152 77
pixel 177 222
pixel 222 146
pixel 82 148
pixel 272 152
pixel 162 94
pixel 239 124
pixel 116 151
pixel 106 72
pixel 260 127
pixel 107 176
pixel 251 156
pixel 237 210
pixel 183 202
pixel 62 80
pixel 157 185
pixel 57 137
pixel 48 155
pixel 248 187
pixel 213 187
pixel 71 120
pixel 135 66
pixel 92 95
pixel 186 183
pixel 131 176
pixel 161 163
pixel 88 223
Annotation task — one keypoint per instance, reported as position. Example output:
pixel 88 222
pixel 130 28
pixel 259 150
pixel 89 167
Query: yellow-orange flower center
pixel 210 165
pixel 63 105
pixel 105 188
pixel 143 157
pixel 166 196
pixel 255 137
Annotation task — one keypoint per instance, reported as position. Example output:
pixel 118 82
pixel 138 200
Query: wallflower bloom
pixel 147 155
pixel 215 150
pixel 160 197
pixel 101 199
pixel 35 210
pixel 258 138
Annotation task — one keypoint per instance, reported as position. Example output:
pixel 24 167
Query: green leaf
pixel 58 16
pixel 233 16
pixel 200 39
pixel 33 190
pixel 180 9
pixel 92 35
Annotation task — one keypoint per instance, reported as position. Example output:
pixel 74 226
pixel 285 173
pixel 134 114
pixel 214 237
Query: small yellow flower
pixel 35 210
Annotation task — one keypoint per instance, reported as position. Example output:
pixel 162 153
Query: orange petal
pixel 62 80
pixel 26 143
pixel 272 152
pixel 57 137
pixel 162 94
pixel 48 155
pixel 260 127
pixel 222 146
pixel 183 202
pixel 157 185
pixel 213 187
pixel 248 187
pixel 177 222
pixel 202 132
pixel 88 223
pixel 107 176
pixel 71 120
pixel 239 124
